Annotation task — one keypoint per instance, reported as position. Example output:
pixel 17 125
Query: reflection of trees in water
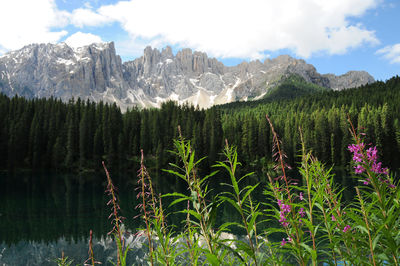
pixel 57 211
pixel 47 207
pixel 44 253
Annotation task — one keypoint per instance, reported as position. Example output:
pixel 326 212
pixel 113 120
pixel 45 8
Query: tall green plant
pixel 201 214
pixel 240 199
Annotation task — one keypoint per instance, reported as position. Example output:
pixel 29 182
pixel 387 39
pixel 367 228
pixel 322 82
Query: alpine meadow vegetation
pixel 298 221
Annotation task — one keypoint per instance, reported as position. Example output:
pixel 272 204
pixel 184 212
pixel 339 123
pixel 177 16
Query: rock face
pixel 349 80
pixel 95 72
pixel 45 70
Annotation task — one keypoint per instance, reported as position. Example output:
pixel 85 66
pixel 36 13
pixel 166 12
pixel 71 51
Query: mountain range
pixel 96 72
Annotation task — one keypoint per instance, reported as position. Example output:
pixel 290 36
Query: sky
pixel 334 35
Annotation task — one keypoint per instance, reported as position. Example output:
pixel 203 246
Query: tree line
pixel 78 135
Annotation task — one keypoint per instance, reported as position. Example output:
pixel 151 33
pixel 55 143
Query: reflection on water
pixel 41 253
pixel 43 215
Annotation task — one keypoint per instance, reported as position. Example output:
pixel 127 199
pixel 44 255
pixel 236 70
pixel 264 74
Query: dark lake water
pixel 43 215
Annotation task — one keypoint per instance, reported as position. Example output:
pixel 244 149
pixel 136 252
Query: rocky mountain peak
pixel 96 72
pixel 167 53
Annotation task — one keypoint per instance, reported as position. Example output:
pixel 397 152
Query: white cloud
pixel 223 28
pixel 80 39
pixel 86 17
pixel 26 21
pixel 391 53
pixel 246 28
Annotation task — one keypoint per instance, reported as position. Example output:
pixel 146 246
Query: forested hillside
pixel 50 134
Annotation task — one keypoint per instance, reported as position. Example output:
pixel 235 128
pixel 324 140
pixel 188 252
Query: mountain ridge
pixel 97 73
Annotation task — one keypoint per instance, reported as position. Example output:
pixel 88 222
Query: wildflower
pixel 285 208
pixel 346 228
pixel 333 218
pixel 359 169
pixel 283 220
pixel 279 202
pixel 356 148
pixel 357 157
pixel 301 212
pixel 366 181
pixel 377 168
pixel 301 196
pixel 372 154
pixel 283 242
pixel 371 160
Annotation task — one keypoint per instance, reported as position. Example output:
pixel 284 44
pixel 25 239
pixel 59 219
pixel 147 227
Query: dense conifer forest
pixel 47 134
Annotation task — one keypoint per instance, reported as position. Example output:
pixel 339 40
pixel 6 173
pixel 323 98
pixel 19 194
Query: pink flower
pixel 283 242
pixel 372 154
pixel 359 169
pixel 346 228
pixel 283 220
pixel 301 212
pixel 357 157
pixel 356 148
pixel 301 196
pixel 371 160
pixel 279 202
pixel 333 218
pixel 366 182
pixel 286 208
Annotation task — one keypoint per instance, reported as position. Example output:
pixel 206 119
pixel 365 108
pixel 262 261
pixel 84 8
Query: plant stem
pixel 366 224
pixel 146 218
pixel 117 219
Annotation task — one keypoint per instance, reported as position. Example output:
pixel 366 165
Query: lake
pixel 43 215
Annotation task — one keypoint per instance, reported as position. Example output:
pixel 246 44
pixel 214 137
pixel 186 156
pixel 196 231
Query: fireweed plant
pixel 91 261
pixel 116 221
pixel 152 213
pixel 304 222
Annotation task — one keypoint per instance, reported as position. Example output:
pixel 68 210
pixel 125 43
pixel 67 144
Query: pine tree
pixel 72 142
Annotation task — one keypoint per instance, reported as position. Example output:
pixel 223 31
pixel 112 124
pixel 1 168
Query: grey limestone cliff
pixel 97 73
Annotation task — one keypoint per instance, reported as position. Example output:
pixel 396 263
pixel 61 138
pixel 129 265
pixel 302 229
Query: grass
pixel 313 226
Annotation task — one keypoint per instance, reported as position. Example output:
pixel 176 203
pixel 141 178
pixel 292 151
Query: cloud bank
pixel 244 29
pixel 223 28
pixel 24 22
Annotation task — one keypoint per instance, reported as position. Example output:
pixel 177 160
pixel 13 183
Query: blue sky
pixel 334 36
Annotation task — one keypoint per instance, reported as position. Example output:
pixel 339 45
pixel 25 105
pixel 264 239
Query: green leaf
pixel 213 259
pixel 192 212
pixel 191 160
pixel 246 175
pixel 249 191
pixel 178 200
pixel 362 228
pixel 208 176
pixel 175 173
pixel 233 203
pixel 375 241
